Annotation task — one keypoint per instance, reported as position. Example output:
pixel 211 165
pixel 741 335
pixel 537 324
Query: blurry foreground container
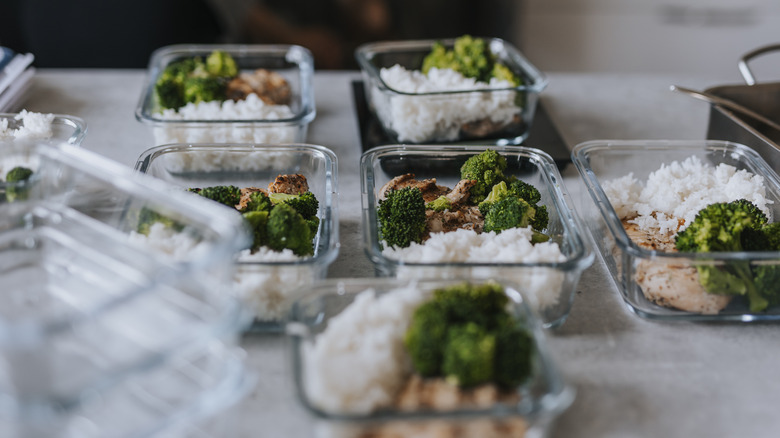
pixel 100 335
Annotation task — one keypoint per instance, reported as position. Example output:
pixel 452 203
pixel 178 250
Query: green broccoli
pixel 503 73
pixel 487 169
pixel 425 338
pixel 507 213
pixel 220 63
pixel 305 203
pixel 257 221
pixel 439 204
pixel 148 217
pixel 402 217
pixel 497 193
pixel 514 356
pixel 483 303
pixel 540 220
pixel 469 355
pixel 522 211
pixel 526 191
pixel 226 195
pixel 470 57
pixel 17 188
pixel 203 89
pixel 718 228
pixel 169 86
pixel 288 229
pixel 258 201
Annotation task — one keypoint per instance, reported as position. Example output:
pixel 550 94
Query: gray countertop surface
pixel 634 378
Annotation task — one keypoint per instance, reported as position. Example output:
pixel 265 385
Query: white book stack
pixel 16 73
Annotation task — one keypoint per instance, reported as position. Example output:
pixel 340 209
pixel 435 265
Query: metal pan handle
pixel 743 63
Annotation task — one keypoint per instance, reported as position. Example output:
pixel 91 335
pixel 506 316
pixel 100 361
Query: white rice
pixel 434 118
pixel 179 246
pixel 249 109
pixel 34 126
pixel 367 336
pixel 543 286
pixel 679 190
pixel 225 160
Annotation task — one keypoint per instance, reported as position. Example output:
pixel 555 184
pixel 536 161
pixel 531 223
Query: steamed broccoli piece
pixel 517 202
pixel 719 228
pixel 514 356
pixel 220 63
pixel 17 190
pixel 524 190
pixel 402 217
pixel 503 73
pixel 288 229
pixel 507 213
pixel 469 355
pixel 257 221
pixel 487 168
pixel 484 304
pixel 258 201
pixel 305 203
pixel 439 204
pixel 497 193
pixel 469 57
pixel 226 195
pixel 425 338
pixel 203 89
pixel 169 86
pixel 148 217
pixel 541 219
pixel 314 225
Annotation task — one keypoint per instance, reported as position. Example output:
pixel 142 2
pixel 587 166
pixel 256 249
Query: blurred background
pixel 688 36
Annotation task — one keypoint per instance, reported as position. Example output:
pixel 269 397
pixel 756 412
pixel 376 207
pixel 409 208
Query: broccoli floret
pixel 439 204
pixel 258 201
pixel 225 195
pixel 17 189
pixel 148 217
pixel 507 213
pixel 257 222
pixel 425 338
pixel 717 228
pixel 203 89
pixel 524 190
pixel 503 73
pixel 169 86
pixel 469 57
pixel 484 304
pixel 402 217
pixel 220 63
pixel 541 218
pixel 469 355
pixel 514 356
pixel 314 225
pixel 288 229
pixel 305 203
pixel 487 169
pixel 497 193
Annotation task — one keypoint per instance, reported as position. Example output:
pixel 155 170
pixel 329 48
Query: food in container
pixel 357 350
pixel 547 260
pixel 267 280
pixel 228 94
pixel 646 194
pixel 420 93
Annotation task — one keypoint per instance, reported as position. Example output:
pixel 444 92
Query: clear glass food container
pixel 267 285
pixel 637 270
pixel 294 63
pixel 64 128
pixel 483 115
pixel 530 408
pixel 551 286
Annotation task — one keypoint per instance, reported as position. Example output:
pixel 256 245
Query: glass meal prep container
pixel 268 286
pixel 482 115
pixel 89 313
pixel 551 286
pixel 251 125
pixel 638 270
pixel 531 407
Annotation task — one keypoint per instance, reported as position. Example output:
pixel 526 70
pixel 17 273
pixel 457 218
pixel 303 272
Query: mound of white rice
pixel 543 286
pixel 33 126
pixel 434 118
pixel 679 190
pixel 226 161
pixel 251 108
pixel 367 336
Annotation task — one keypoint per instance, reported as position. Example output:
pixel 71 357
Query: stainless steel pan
pixel 763 98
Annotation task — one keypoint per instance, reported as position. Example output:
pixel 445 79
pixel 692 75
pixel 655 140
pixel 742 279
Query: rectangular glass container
pixel 267 287
pixel 539 400
pixel 294 63
pixel 630 264
pixel 550 285
pixel 485 115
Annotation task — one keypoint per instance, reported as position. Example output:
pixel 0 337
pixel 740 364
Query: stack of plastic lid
pixel 102 334
pixel 16 74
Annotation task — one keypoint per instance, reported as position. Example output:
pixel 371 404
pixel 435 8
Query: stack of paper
pixel 16 73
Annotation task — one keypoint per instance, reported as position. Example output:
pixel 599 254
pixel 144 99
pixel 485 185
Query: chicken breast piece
pixel 461 192
pixel 430 190
pixel 245 192
pixel 292 184
pixel 678 287
pixel 467 217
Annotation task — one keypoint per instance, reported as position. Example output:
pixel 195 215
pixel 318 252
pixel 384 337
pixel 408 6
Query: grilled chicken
pixel 465 217
pixel 269 86
pixel 245 192
pixel 292 184
pixel 430 190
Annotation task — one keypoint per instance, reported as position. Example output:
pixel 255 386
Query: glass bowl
pixel 551 285
pixel 389 302
pixel 294 63
pixel 64 128
pixel 633 267
pixel 487 115
pixel 267 287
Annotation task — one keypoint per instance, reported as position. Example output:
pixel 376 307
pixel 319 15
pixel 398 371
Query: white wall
pixel 690 36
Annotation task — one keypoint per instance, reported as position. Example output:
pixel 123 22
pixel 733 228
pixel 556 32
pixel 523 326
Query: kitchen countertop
pixel 634 378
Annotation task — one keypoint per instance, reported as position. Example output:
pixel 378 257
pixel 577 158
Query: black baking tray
pixel 543 135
